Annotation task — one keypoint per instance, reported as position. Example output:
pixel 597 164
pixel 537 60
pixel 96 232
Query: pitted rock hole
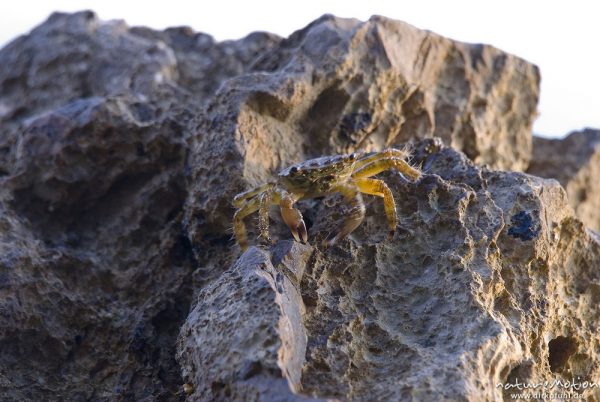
pixel 560 350
pixel 524 226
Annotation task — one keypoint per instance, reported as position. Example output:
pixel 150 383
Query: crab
pixel 349 174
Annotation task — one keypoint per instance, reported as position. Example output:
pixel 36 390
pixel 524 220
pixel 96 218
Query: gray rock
pixel 241 336
pixel 121 149
pixel 95 268
pixel 575 162
pixel 484 283
pixel 75 56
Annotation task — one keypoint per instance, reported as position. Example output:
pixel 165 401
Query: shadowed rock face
pixel 71 57
pixel 121 149
pixel 575 162
pixel 95 266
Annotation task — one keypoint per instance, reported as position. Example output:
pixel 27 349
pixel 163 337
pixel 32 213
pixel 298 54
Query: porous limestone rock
pixel 95 268
pixel 575 162
pixel 341 84
pixel 255 333
pixel 74 56
pixel 120 151
pixel 489 280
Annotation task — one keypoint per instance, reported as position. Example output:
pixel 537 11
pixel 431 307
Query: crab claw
pixel 293 218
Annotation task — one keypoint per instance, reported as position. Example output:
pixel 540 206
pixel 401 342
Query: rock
pixel 234 339
pixel 203 64
pixel 95 268
pixel 74 56
pixel 485 283
pixel 575 162
pixel 93 127
pixel 121 149
pixel 341 84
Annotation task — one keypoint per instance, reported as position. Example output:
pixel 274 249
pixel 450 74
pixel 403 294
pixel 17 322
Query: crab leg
pixel 351 193
pixel 382 163
pixel 386 153
pixel 292 216
pixel 265 201
pixel 239 199
pixel 239 229
pixel 380 189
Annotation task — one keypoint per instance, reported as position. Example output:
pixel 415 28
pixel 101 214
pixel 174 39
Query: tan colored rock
pixel 575 162
pixel 380 82
pixel 341 84
pixel 489 280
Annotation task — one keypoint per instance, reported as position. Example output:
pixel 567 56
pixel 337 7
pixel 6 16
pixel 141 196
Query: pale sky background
pixel 560 37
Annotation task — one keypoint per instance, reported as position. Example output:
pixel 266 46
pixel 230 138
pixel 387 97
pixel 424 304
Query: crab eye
pixel 293 170
pixel 352 156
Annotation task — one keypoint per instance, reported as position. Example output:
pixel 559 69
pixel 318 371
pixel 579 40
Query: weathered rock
pixel 490 279
pixel 242 363
pixel 95 268
pixel 341 84
pixel 575 162
pixel 73 56
pixel 203 64
pixel 117 168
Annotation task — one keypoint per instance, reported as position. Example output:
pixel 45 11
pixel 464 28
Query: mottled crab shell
pixel 335 163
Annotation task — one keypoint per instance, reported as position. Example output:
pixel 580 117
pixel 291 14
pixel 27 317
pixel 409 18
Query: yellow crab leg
pixel 385 163
pixel 357 212
pixel 386 153
pixel 380 189
pixel 239 199
pixel 239 229
pixel 265 201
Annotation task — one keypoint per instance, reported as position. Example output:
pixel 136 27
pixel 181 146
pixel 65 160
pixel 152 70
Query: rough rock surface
pixel 95 268
pixel 241 305
pixel 120 151
pixel 575 162
pixel 341 84
pixel 489 279
pixel 76 56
